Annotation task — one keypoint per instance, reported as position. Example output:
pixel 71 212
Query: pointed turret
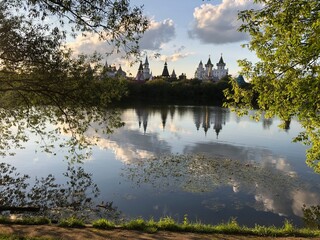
pixel 165 72
pixel 146 62
pixel 220 72
pixel 221 62
pixel 121 73
pixel 146 69
pixel 173 74
pixel 140 76
pixel 140 66
pixel 209 63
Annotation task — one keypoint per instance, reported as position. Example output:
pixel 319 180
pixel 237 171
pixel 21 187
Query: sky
pixel 184 32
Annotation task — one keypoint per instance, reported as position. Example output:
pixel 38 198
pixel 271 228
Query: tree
pixel 285 35
pixel 40 80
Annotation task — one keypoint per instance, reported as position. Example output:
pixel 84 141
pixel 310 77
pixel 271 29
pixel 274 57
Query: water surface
pixel 201 161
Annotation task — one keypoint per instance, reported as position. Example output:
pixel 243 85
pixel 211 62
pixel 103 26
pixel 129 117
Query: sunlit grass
pixel 72 222
pixel 25 220
pixel 103 224
pixel 231 227
pixel 169 224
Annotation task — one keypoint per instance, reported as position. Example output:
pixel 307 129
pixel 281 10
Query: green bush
pixel 168 223
pixel 25 220
pixel 103 224
pixel 135 224
pixel 72 222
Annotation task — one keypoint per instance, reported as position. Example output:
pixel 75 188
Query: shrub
pixel 72 222
pixel 168 223
pixel 103 224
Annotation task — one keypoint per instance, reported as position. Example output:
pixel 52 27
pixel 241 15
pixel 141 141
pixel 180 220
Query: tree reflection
pixel 48 123
pixel 76 197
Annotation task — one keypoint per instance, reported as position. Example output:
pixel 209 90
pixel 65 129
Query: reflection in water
pixel 274 189
pixel 202 161
pixel 205 115
pixel 269 179
pixel 57 201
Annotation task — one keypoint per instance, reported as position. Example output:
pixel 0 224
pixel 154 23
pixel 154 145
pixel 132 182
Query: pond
pixel 203 162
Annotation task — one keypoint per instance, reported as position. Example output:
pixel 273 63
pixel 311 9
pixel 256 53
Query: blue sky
pixel 184 32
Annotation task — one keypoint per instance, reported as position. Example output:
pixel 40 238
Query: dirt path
pixel 118 234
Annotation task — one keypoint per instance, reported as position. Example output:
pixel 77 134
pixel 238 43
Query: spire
pixel 165 72
pixel 221 62
pixel 173 74
pixel 209 62
pixel 146 61
pixel 140 76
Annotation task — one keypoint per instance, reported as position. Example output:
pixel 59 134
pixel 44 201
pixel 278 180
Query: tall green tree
pixel 285 35
pixel 41 81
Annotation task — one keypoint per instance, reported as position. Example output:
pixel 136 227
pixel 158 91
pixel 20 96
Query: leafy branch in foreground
pixel 285 81
pixel 41 83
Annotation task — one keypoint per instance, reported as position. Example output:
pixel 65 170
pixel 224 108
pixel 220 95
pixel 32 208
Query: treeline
pixel 160 91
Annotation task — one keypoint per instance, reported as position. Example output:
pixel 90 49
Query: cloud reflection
pixel 268 180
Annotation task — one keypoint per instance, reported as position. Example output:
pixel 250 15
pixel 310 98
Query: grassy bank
pixel 169 224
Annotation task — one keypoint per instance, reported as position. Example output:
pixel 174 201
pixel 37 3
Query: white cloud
pixel 219 23
pixel 89 44
pixel 175 56
pixel 158 34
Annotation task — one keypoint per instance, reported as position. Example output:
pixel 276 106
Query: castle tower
pixel 173 74
pixel 208 72
pixel 146 70
pixel 220 72
pixel 165 72
pixel 140 76
pixel 200 73
pixel 121 73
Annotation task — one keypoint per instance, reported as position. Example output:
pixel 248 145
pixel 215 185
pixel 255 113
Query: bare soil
pixel 56 232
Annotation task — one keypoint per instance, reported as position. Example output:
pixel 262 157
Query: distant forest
pixel 160 91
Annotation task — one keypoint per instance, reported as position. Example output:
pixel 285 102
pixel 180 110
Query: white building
pixel 209 73
pixel 220 72
pixel 143 73
pixel 200 72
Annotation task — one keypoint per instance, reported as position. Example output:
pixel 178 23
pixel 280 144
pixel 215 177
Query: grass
pixel 231 227
pixel 25 220
pixel 103 224
pixel 169 224
pixel 72 222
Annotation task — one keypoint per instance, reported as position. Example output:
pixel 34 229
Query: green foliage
pixel 285 81
pixel 288 227
pixel 311 216
pixel 168 223
pixel 177 92
pixel 72 222
pixel 232 227
pixel 103 224
pixel 42 83
pixel 25 220
pixel 137 224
